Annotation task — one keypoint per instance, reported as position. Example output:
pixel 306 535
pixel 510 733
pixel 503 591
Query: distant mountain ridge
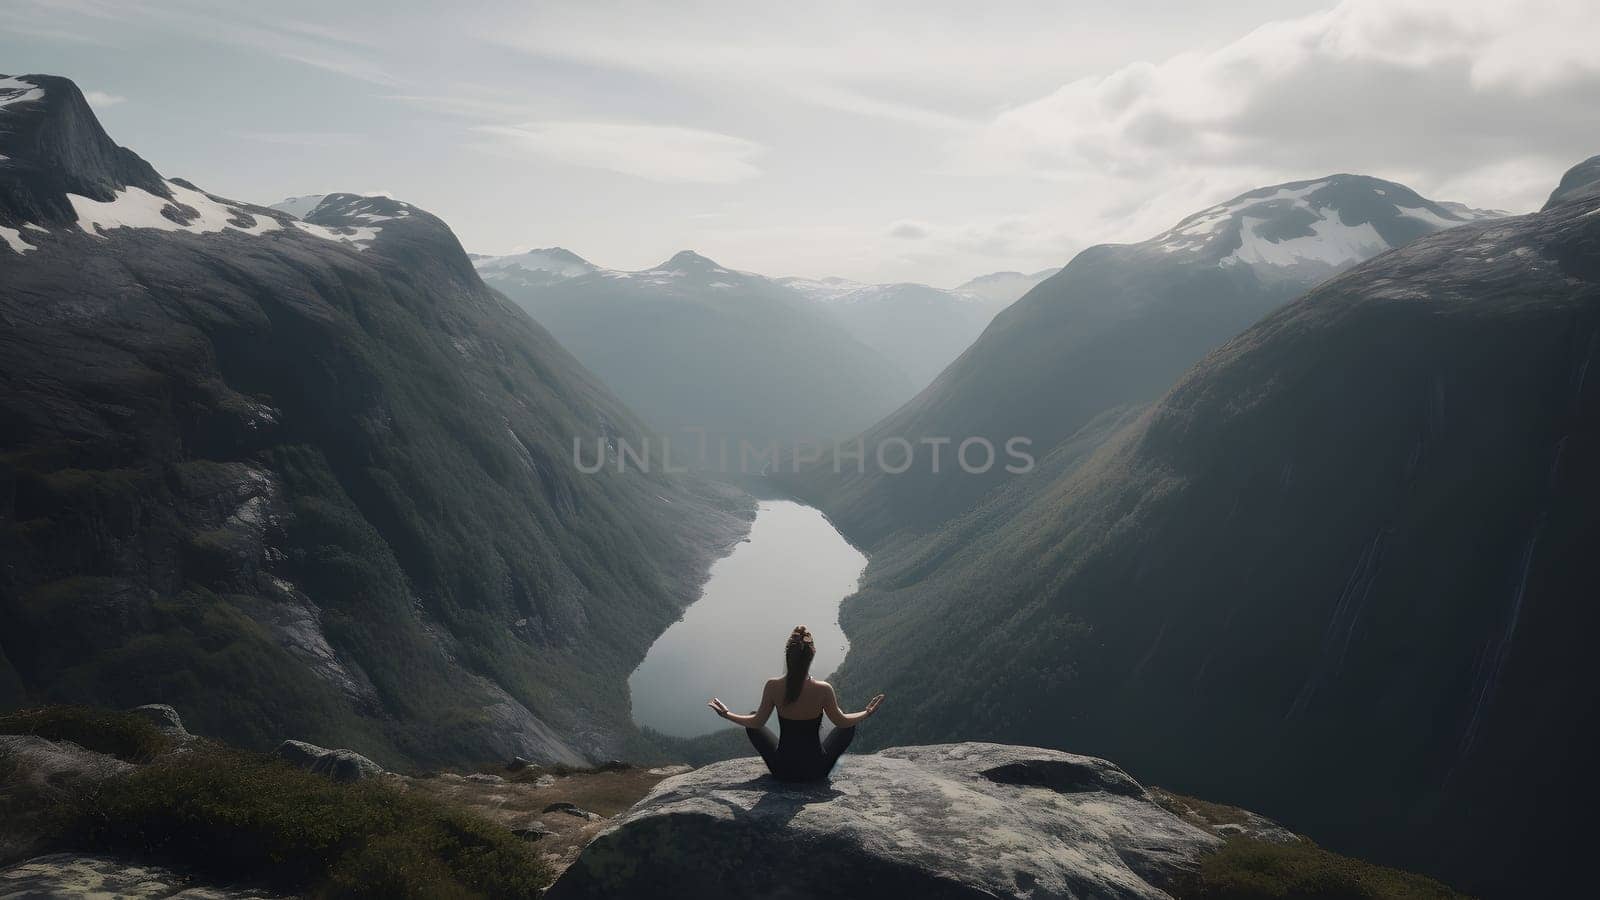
pixel 694 345
pixel 1004 288
pixel 920 328
pixel 914 328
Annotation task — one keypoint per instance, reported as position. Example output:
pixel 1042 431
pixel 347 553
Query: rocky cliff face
pixel 951 821
pixel 306 476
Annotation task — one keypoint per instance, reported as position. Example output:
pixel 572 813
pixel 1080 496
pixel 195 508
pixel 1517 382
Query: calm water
pixel 793 570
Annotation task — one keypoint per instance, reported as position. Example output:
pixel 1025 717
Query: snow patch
pixel 1331 243
pixel 13 239
pixel 17 90
pixel 135 207
pixel 357 236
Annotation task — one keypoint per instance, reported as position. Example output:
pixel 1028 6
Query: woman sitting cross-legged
pixel 799 754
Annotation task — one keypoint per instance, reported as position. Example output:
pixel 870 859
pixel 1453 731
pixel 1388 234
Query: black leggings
pixel 785 768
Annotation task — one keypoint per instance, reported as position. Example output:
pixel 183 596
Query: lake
pixel 793 569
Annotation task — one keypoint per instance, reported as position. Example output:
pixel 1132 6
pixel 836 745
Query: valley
pixel 337 560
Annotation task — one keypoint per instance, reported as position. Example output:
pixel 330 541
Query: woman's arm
pixel 842 719
pixel 755 719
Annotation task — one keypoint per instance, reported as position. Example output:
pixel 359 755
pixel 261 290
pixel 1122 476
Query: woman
pixel 799 755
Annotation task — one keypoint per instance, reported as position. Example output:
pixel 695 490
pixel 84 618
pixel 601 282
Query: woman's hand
pixel 872 705
pixel 718 707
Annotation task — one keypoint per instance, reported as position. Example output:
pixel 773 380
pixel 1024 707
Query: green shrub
pixel 241 816
pixel 123 735
pixel 1246 869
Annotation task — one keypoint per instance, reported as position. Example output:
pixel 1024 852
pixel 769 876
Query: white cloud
pixel 304 138
pixel 937 65
pixel 101 99
pixel 653 152
pixel 1437 94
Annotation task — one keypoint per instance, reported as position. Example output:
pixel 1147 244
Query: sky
pixel 926 141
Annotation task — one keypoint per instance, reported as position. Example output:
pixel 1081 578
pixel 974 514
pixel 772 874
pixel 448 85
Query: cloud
pixel 654 152
pixel 911 231
pixel 101 99
pixel 304 138
pixel 361 70
pixel 912 63
pixel 1433 93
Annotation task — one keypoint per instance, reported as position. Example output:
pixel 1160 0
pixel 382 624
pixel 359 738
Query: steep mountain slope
pixel 1580 182
pixel 920 329
pixel 306 478
pixel 1113 329
pixel 1001 289
pixel 690 344
pixel 1344 571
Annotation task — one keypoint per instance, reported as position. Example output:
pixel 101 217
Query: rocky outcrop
pixel 165 718
pixel 946 821
pixel 343 766
pixel 75 875
pixel 44 762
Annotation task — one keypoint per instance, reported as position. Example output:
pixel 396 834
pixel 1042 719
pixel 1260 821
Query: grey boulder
pixel 343 766
pixel 947 821
pixel 163 717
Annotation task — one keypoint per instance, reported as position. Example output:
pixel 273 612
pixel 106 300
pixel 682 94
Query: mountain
pixel 1001 289
pixel 691 344
pixel 535 268
pixel 307 474
pixel 1342 572
pixel 1110 331
pixel 920 329
pixel 1581 182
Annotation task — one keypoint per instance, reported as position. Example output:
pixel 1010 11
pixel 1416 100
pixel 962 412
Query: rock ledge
pixel 946 821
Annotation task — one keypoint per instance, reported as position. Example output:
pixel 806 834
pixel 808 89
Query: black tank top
pixel 800 746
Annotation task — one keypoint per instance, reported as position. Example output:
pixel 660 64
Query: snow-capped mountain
pixel 276 467
pixel 532 268
pixel 1311 227
pixel 1004 288
pixel 1116 326
pixel 60 172
pixel 822 290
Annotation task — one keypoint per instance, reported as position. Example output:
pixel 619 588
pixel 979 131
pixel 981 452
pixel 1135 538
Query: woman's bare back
pixel 815 698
